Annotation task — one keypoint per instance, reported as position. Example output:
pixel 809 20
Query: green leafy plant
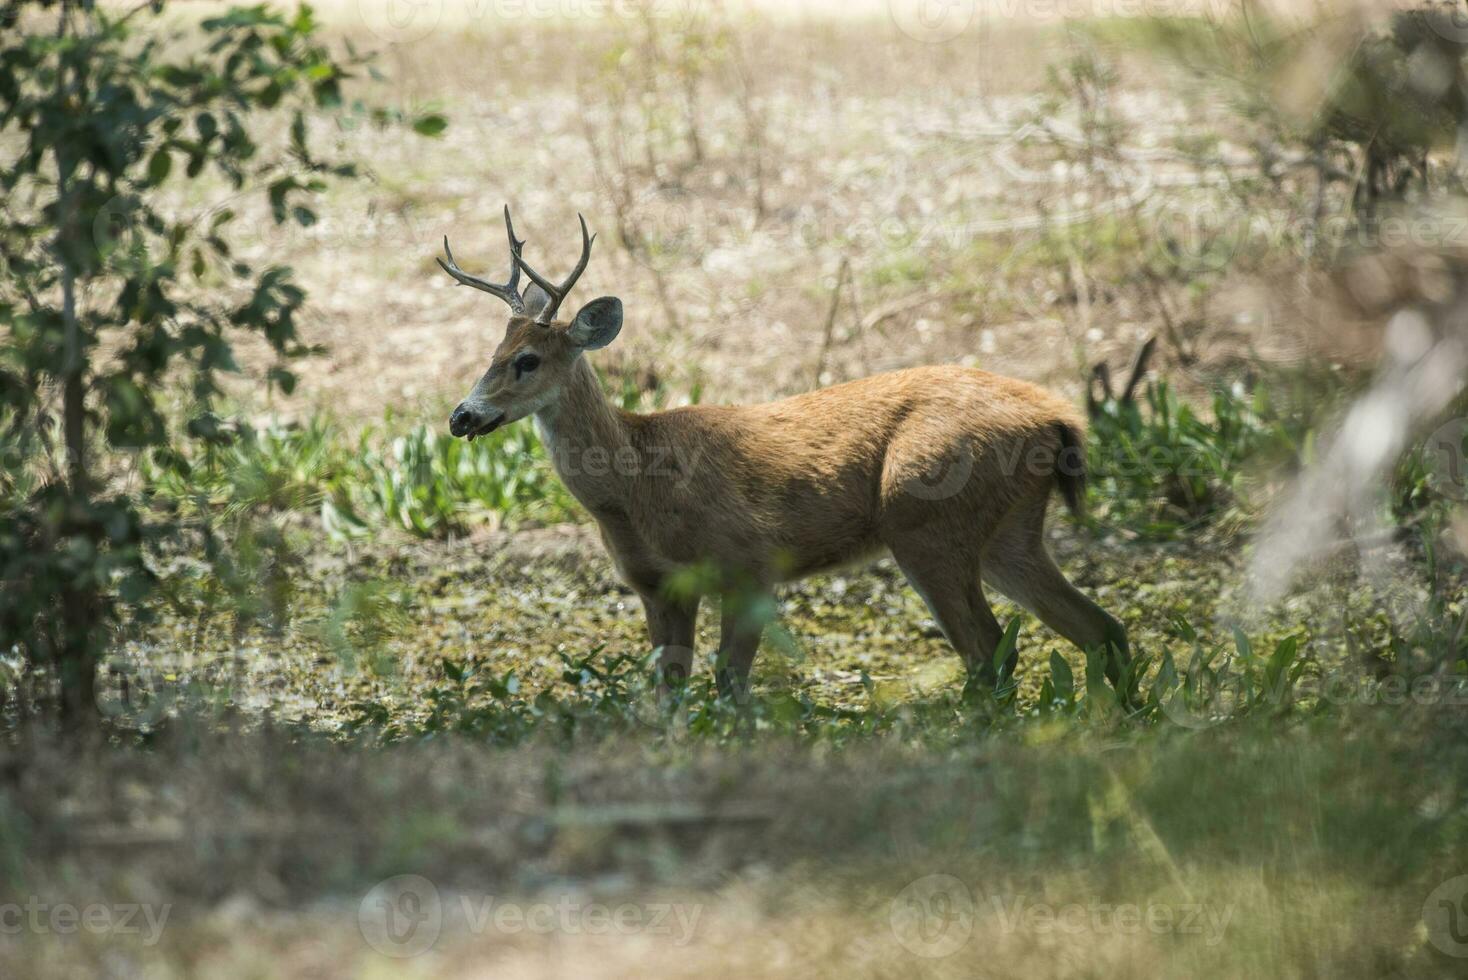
pixel 103 117
pixel 1159 466
pixel 430 484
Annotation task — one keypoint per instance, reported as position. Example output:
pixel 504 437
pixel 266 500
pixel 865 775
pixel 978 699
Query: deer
pixel 948 469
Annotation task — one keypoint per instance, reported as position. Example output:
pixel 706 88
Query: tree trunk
pixel 77 653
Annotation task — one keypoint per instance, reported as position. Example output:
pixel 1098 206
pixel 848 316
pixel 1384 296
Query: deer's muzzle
pixel 470 422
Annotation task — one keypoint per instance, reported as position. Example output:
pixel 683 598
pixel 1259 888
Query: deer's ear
pixel 597 324
pixel 535 300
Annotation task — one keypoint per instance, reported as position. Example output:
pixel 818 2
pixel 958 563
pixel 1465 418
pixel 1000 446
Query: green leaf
pixel 1007 645
pixel 298 135
pixel 1048 697
pixel 1241 642
pixel 1063 678
pixel 430 125
pixel 1097 688
pixel 277 192
pixel 282 378
pixel 1166 679
pixel 159 165
pixel 1279 663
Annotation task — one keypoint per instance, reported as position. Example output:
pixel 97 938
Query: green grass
pixel 430 484
pixel 1161 468
pixel 420 481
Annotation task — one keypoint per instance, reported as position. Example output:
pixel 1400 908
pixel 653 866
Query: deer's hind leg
pixel 741 626
pixel 946 574
pixel 1017 563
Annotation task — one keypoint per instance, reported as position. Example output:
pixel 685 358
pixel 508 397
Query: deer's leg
pixel 1017 563
pixel 949 584
pixel 740 628
pixel 671 627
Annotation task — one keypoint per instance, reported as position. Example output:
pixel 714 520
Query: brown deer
pixel 948 468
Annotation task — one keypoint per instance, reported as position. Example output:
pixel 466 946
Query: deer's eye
pixel 526 363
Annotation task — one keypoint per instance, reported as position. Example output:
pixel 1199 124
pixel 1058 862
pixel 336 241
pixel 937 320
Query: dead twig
pixel 843 272
pixel 1101 378
pixel 887 311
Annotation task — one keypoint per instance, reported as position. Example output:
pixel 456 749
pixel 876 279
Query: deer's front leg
pixel 671 625
pixel 741 623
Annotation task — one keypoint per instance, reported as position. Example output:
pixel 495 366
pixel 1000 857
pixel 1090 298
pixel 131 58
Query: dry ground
pixel 862 144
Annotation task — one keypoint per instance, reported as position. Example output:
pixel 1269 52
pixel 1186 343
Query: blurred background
pixel 294 684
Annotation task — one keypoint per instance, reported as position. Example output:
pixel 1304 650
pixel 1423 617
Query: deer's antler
pixel 509 292
pixel 558 293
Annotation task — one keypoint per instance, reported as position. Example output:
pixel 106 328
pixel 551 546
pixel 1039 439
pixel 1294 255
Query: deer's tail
pixel 1070 468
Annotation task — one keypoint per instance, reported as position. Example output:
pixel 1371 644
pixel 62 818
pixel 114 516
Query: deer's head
pixel 530 367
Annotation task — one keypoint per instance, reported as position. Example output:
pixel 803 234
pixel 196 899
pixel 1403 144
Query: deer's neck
pixel 586 437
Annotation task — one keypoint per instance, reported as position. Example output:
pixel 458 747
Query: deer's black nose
pixel 464 421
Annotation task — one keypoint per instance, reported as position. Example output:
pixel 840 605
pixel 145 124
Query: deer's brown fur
pixel 947 468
